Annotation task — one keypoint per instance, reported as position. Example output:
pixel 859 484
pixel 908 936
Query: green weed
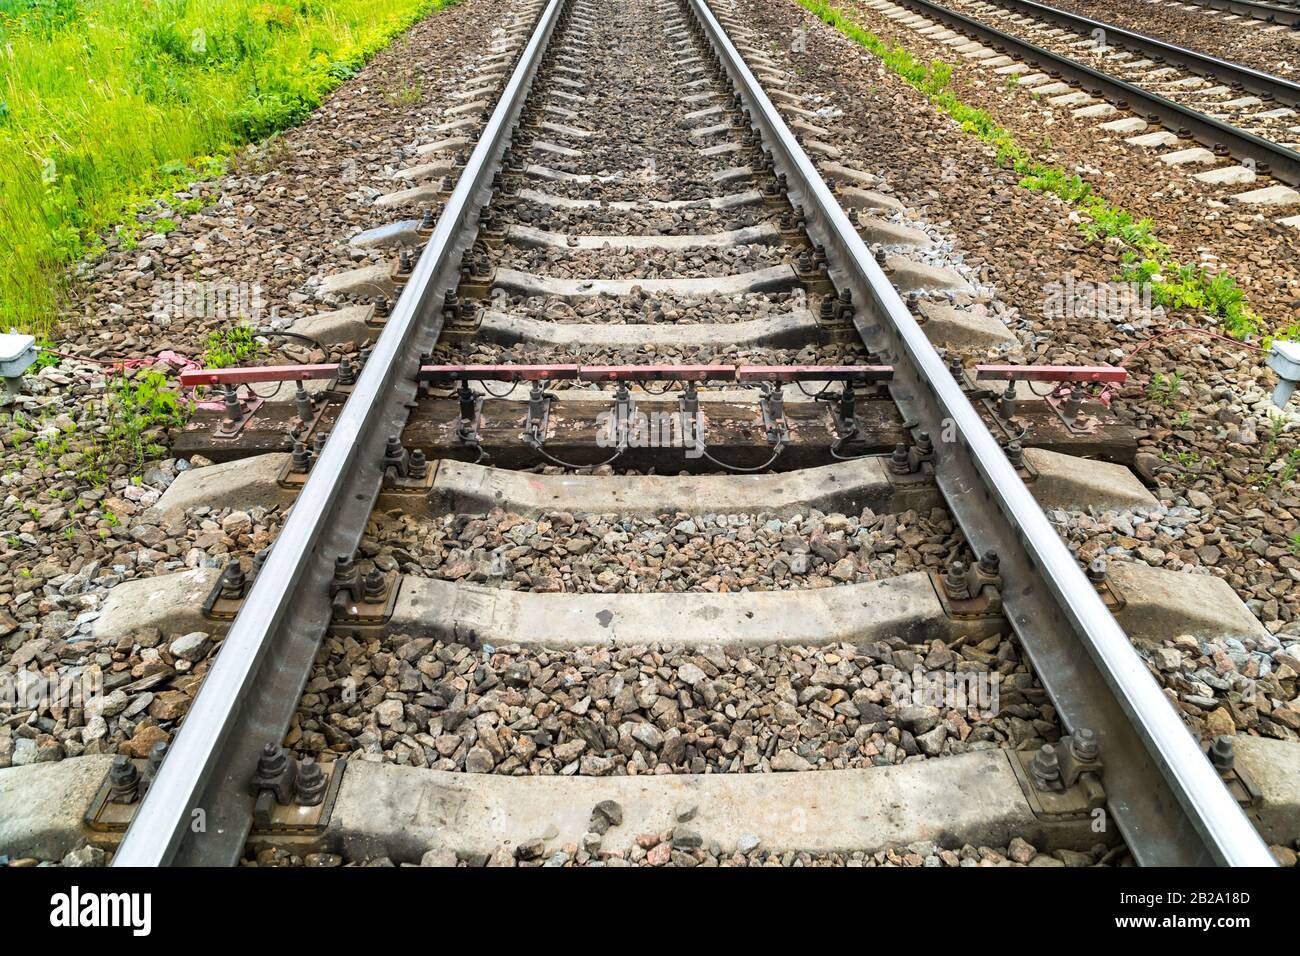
pixel 44 357
pixel 227 347
pixel 403 96
pixel 1164 389
pixel 1290 467
pixel 1192 461
pixel 140 410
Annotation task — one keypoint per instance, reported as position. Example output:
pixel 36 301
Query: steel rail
pixel 198 811
pixel 1283 163
pixel 1162 793
pixel 1288 16
pixel 1279 88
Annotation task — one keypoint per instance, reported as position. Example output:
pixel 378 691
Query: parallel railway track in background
pixel 1284 12
pixel 1247 114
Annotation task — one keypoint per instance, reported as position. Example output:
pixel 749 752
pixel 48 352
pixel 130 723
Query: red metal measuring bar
pixel 1110 374
pixel 587 373
pixel 810 373
pixel 251 376
pixel 657 373
pixel 497 373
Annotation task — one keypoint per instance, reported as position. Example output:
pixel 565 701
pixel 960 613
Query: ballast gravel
pixel 663 708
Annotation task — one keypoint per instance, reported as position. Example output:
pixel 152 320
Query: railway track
pixel 1283 13
pixel 1232 111
pixel 612 254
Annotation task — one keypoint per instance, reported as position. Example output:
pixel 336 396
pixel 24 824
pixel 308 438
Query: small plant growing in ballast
pixel 138 412
pixel 227 347
pixel 1164 389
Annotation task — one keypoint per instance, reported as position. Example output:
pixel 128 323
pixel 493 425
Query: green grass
pixel 140 410
pixel 1146 259
pixel 230 346
pixel 137 409
pixel 105 104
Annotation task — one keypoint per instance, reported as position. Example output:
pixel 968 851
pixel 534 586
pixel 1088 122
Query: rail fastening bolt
pixel 1222 754
pixel 417 464
pixel 1045 768
pixel 301 462
pixel 233 581
pixel 375 586
pixel 156 754
pixel 1097 571
pixel 270 763
pixel 900 462
pixel 990 562
pixel 123 780
pixel 394 454
pixel 309 786
pixel 956 582
pixel 1084 744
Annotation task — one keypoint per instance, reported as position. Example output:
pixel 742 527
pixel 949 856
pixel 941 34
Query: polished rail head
pixel 1179 814
pixel 198 810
